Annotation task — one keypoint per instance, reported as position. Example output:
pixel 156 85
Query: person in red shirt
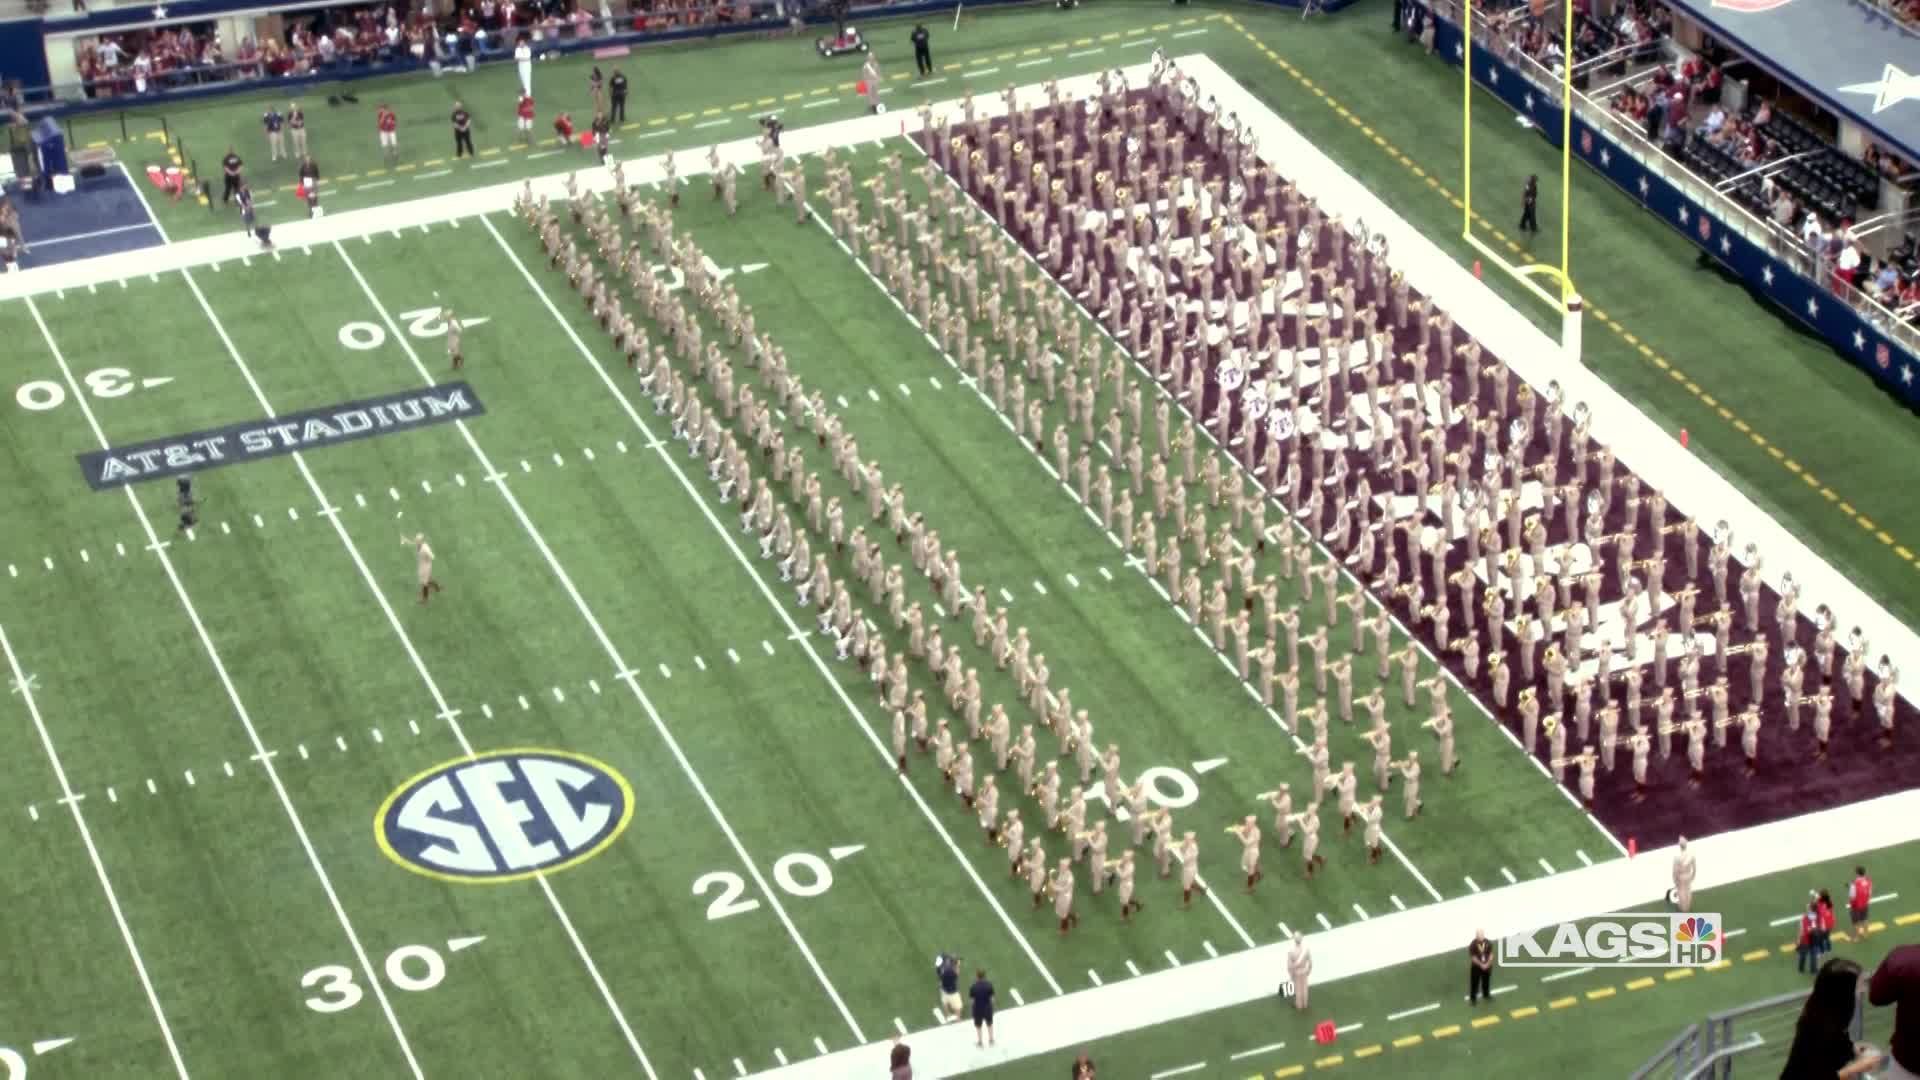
pixel 389 127
pixel 1859 897
pixel 1807 948
pixel 1896 982
pixel 523 118
pixel 1823 905
pixel 563 127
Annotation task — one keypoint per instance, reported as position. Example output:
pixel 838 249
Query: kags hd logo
pixel 1625 939
pixel 504 815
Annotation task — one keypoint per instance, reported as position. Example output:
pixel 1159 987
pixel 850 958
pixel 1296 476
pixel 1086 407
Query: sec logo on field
pixel 504 815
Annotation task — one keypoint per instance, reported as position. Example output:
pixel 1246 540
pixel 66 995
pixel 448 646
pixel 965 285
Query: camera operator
pixel 946 967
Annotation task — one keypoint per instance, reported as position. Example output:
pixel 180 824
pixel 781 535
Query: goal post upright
pixel 1561 295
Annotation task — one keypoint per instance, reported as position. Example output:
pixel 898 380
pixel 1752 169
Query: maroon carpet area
pixel 1790 779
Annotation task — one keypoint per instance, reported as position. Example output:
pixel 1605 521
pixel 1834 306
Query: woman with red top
pixel 1823 905
pixel 1805 949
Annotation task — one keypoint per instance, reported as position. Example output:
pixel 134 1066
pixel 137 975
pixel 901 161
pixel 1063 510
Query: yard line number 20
pixel 801 874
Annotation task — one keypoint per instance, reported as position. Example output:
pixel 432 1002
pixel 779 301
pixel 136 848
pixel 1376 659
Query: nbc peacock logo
pixel 1696 941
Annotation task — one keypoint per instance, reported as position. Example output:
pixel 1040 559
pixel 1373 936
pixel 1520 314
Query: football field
pixel 597 603
pixel 607 802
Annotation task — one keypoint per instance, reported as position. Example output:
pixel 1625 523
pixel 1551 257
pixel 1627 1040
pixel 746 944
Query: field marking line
pixel 981 213
pixel 612 650
pixel 442 706
pixel 72 801
pixel 239 707
pixel 152 217
pixel 1212 898
pixel 96 233
pixel 806 644
pixel 1404 1013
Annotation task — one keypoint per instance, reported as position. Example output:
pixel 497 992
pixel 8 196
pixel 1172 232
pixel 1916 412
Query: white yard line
pixel 1212 898
pixel 51 241
pixel 1567 974
pixel 444 710
pixel 767 891
pixel 72 801
pixel 773 601
pixel 144 204
pixel 619 662
pixel 239 707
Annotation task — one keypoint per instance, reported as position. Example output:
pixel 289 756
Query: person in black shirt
pixel 462 130
pixel 982 994
pixel 617 89
pixel 922 55
pixel 188 507
pixel 1479 968
pixel 230 176
pixel 247 219
pixel 602 135
pixel 948 970
pixel 1823 1045
pixel 276 144
pixel 1528 197
pixel 310 185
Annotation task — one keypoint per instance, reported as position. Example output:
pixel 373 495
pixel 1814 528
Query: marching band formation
pixel 1202 346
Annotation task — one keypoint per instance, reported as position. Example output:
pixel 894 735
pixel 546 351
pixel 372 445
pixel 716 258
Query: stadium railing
pixel 1755 1035
pixel 1595 121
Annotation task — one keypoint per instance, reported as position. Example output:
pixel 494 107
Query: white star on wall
pixel 1726 248
pixel 1529 102
pixel 1644 187
pixel 1683 213
pixel 160 11
pixel 1493 76
pixel 1893 87
pixel 1458 52
pixel 1906 375
pixel 1813 307
pixel 1766 274
pixel 1859 341
pixel 1606 156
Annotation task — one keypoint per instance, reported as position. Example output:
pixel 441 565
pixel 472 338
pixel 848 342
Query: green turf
pixel 344 678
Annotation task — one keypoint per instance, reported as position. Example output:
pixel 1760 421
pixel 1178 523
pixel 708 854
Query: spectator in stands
pixel 1715 122
pixel 1886 284
pixel 1846 265
pixel 1823 1044
pixel 1896 982
pixel 900 1061
pixel 1783 208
